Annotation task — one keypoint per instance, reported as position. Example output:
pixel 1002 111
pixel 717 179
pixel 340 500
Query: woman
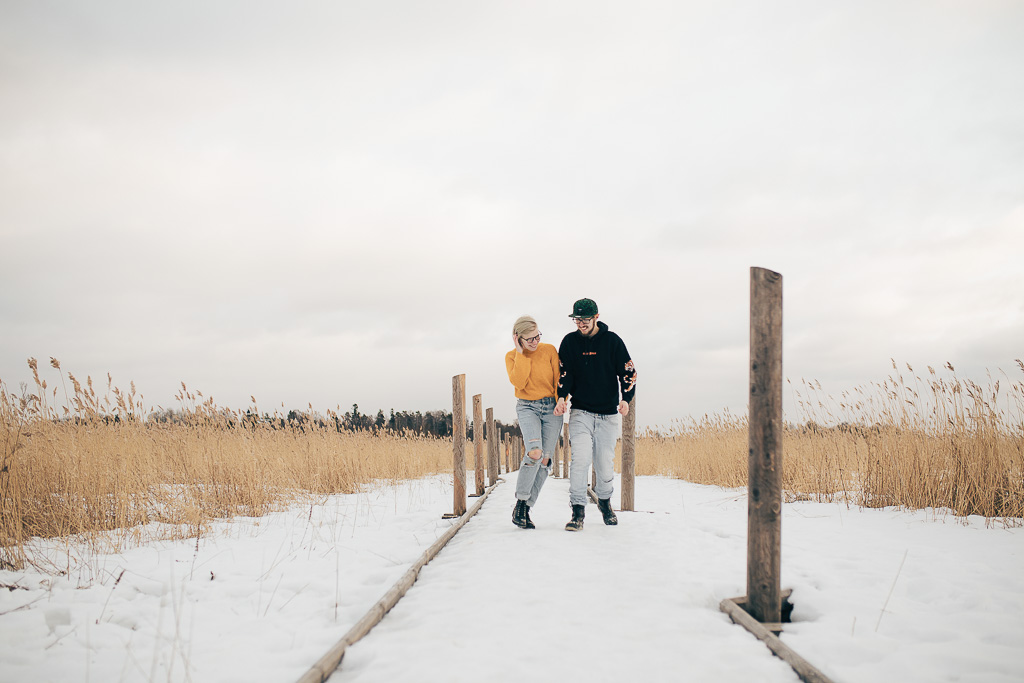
pixel 533 370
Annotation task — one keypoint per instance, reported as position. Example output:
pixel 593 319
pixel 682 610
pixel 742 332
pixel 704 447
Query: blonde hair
pixel 524 324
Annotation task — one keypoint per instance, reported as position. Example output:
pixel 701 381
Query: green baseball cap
pixel 584 308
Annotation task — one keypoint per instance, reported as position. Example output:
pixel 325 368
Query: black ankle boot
pixel 605 506
pixel 519 514
pixel 576 523
pixel 527 522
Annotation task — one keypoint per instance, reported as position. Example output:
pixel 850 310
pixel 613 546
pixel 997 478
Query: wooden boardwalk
pixel 549 605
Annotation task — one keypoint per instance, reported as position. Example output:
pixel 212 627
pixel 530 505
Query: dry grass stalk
pixel 100 467
pixel 937 442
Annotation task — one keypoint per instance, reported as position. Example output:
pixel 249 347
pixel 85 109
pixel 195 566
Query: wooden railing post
pixel 478 442
pixel 566 449
pixel 628 456
pixel 492 450
pixel 554 461
pixel 764 461
pixel 459 442
pixel 504 441
pixel 561 467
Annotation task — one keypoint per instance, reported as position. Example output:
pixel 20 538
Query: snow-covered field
pixel 880 595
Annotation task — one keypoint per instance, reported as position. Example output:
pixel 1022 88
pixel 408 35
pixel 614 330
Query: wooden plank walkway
pixel 605 604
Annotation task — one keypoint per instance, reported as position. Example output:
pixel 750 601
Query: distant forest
pixel 436 423
pixel 431 423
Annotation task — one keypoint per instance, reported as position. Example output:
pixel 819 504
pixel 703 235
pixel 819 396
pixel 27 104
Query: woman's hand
pixel 517 342
pixel 560 407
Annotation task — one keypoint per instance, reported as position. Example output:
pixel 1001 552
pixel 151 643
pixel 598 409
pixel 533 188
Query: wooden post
pixel 764 461
pixel 505 442
pixel 555 459
pixel 492 450
pixel 459 441
pixel 566 449
pixel 478 442
pixel 628 456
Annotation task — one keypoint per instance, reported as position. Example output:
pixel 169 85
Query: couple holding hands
pixel 593 367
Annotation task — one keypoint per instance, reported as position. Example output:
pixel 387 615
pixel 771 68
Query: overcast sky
pixel 350 202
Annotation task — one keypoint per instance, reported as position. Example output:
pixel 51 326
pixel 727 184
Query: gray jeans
pixel 541 428
pixel 592 438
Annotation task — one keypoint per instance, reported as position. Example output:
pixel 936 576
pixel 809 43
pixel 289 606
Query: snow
pixel 880 595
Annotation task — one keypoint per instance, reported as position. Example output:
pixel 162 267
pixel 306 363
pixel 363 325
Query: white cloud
pixel 351 203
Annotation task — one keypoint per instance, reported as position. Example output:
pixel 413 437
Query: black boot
pixel 527 522
pixel 576 523
pixel 605 506
pixel 519 514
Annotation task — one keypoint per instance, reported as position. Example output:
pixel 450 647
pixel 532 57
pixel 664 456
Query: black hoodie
pixel 594 369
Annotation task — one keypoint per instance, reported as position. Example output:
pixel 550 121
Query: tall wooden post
pixel 459 441
pixel 764 461
pixel 554 461
pixel 559 465
pixel 508 467
pixel 478 442
pixel 492 450
pixel 628 456
pixel 566 449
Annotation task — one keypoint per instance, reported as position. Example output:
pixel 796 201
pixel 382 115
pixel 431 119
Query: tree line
pixel 435 423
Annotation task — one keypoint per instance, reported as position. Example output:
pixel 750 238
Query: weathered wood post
pixel 628 456
pixel 492 450
pixel 554 461
pixel 764 461
pixel 478 442
pixel 504 440
pixel 566 448
pixel 459 441
pixel 559 467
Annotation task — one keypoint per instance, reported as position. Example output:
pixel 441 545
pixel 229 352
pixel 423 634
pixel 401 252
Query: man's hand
pixel 623 408
pixel 560 407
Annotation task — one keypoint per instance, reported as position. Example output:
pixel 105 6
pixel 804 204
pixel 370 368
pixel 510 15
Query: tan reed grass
pixel 99 466
pixel 936 442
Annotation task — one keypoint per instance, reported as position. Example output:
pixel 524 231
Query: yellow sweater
pixel 534 374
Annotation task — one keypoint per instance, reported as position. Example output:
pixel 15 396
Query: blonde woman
pixel 533 370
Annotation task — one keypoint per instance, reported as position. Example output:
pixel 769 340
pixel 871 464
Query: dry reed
pixel 937 442
pixel 94 464
pixel 98 466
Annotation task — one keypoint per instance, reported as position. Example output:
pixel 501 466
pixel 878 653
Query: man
pixel 599 376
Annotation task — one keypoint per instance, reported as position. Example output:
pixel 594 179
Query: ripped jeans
pixel 540 428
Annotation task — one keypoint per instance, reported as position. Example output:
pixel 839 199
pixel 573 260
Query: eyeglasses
pixel 532 340
pixel 582 321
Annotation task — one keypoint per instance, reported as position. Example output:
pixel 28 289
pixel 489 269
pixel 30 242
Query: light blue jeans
pixel 592 438
pixel 540 428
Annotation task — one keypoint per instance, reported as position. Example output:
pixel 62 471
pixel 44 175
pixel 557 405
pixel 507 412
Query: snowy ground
pixel 262 599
